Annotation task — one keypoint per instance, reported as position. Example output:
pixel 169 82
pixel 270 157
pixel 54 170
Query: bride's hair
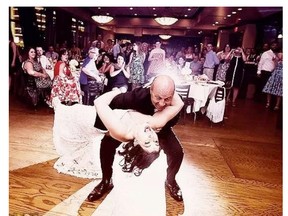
pixel 135 159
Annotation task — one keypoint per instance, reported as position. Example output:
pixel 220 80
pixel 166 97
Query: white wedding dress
pixel 78 142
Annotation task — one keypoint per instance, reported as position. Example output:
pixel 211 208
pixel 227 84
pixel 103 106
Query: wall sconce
pixel 102 19
pixel 165 37
pixel 166 21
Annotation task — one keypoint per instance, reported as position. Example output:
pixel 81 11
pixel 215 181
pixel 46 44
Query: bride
pixel 77 142
pixel 73 132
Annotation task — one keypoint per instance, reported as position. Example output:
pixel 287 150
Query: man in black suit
pixel 159 97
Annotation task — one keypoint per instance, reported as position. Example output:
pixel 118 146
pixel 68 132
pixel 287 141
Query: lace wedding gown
pixel 76 140
pixel 78 143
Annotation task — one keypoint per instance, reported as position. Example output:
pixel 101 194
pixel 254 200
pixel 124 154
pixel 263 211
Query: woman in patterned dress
pixel 32 70
pixel 65 85
pixel 136 66
pixel 274 83
pixel 224 57
pixel 157 61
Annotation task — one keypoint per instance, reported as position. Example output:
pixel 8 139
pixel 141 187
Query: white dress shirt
pixel 266 62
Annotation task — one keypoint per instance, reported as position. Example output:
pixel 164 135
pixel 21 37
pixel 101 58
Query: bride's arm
pixel 159 119
pixel 113 123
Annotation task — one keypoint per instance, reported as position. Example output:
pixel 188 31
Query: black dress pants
pixel 262 80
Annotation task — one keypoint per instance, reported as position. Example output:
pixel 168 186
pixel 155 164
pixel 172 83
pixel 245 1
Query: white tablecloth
pixel 200 92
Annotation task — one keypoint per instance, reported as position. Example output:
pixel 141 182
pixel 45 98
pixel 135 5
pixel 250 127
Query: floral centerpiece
pixel 73 64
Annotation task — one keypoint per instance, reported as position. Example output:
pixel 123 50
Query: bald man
pixel 159 97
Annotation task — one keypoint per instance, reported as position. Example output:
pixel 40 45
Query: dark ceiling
pixel 192 20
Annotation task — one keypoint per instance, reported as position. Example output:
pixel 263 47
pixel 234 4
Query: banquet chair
pixel 183 91
pixel 216 106
pixel 94 90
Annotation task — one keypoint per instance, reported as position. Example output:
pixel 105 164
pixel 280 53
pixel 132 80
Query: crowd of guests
pixel 106 66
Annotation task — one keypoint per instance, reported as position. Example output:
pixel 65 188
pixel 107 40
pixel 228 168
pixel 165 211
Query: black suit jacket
pixel 140 100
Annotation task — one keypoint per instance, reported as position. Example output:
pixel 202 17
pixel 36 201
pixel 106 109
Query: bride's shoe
pixel 267 105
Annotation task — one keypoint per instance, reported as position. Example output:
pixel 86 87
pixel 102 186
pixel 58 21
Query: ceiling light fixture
pixel 166 21
pixel 102 19
pixel 165 37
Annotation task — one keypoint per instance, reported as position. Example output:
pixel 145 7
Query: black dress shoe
pixel 103 187
pixel 175 191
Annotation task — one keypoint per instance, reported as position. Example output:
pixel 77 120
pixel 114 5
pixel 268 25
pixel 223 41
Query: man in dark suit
pixel 159 97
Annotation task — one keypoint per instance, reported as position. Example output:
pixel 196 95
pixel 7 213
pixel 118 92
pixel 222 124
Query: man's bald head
pixel 162 91
pixel 163 83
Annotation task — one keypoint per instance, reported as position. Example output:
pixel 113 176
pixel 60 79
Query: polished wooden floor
pixel 229 168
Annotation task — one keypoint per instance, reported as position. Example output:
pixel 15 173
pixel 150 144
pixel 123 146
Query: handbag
pixel 43 82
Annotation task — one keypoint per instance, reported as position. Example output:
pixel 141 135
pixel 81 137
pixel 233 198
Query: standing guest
pixel 157 61
pixel 265 48
pixel 65 85
pixel 127 50
pixel 90 81
pixel 51 54
pixel 44 61
pixel 224 58
pixel 117 49
pixel 196 66
pixel 99 59
pixel 265 67
pixel 145 49
pixel 250 69
pixel 274 84
pixel 75 52
pixel 189 54
pixel 105 69
pixel 136 66
pixel 109 46
pixel 235 73
pixel 196 52
pixel 119 75
pixel 211 60
pixel 14 61
pixel 32 71
pixel 171 65
pixel 98 45
pixel 99 42
pixel 147 100
pixel 180 53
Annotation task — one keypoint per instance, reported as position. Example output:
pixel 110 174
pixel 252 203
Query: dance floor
pixel 229 168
